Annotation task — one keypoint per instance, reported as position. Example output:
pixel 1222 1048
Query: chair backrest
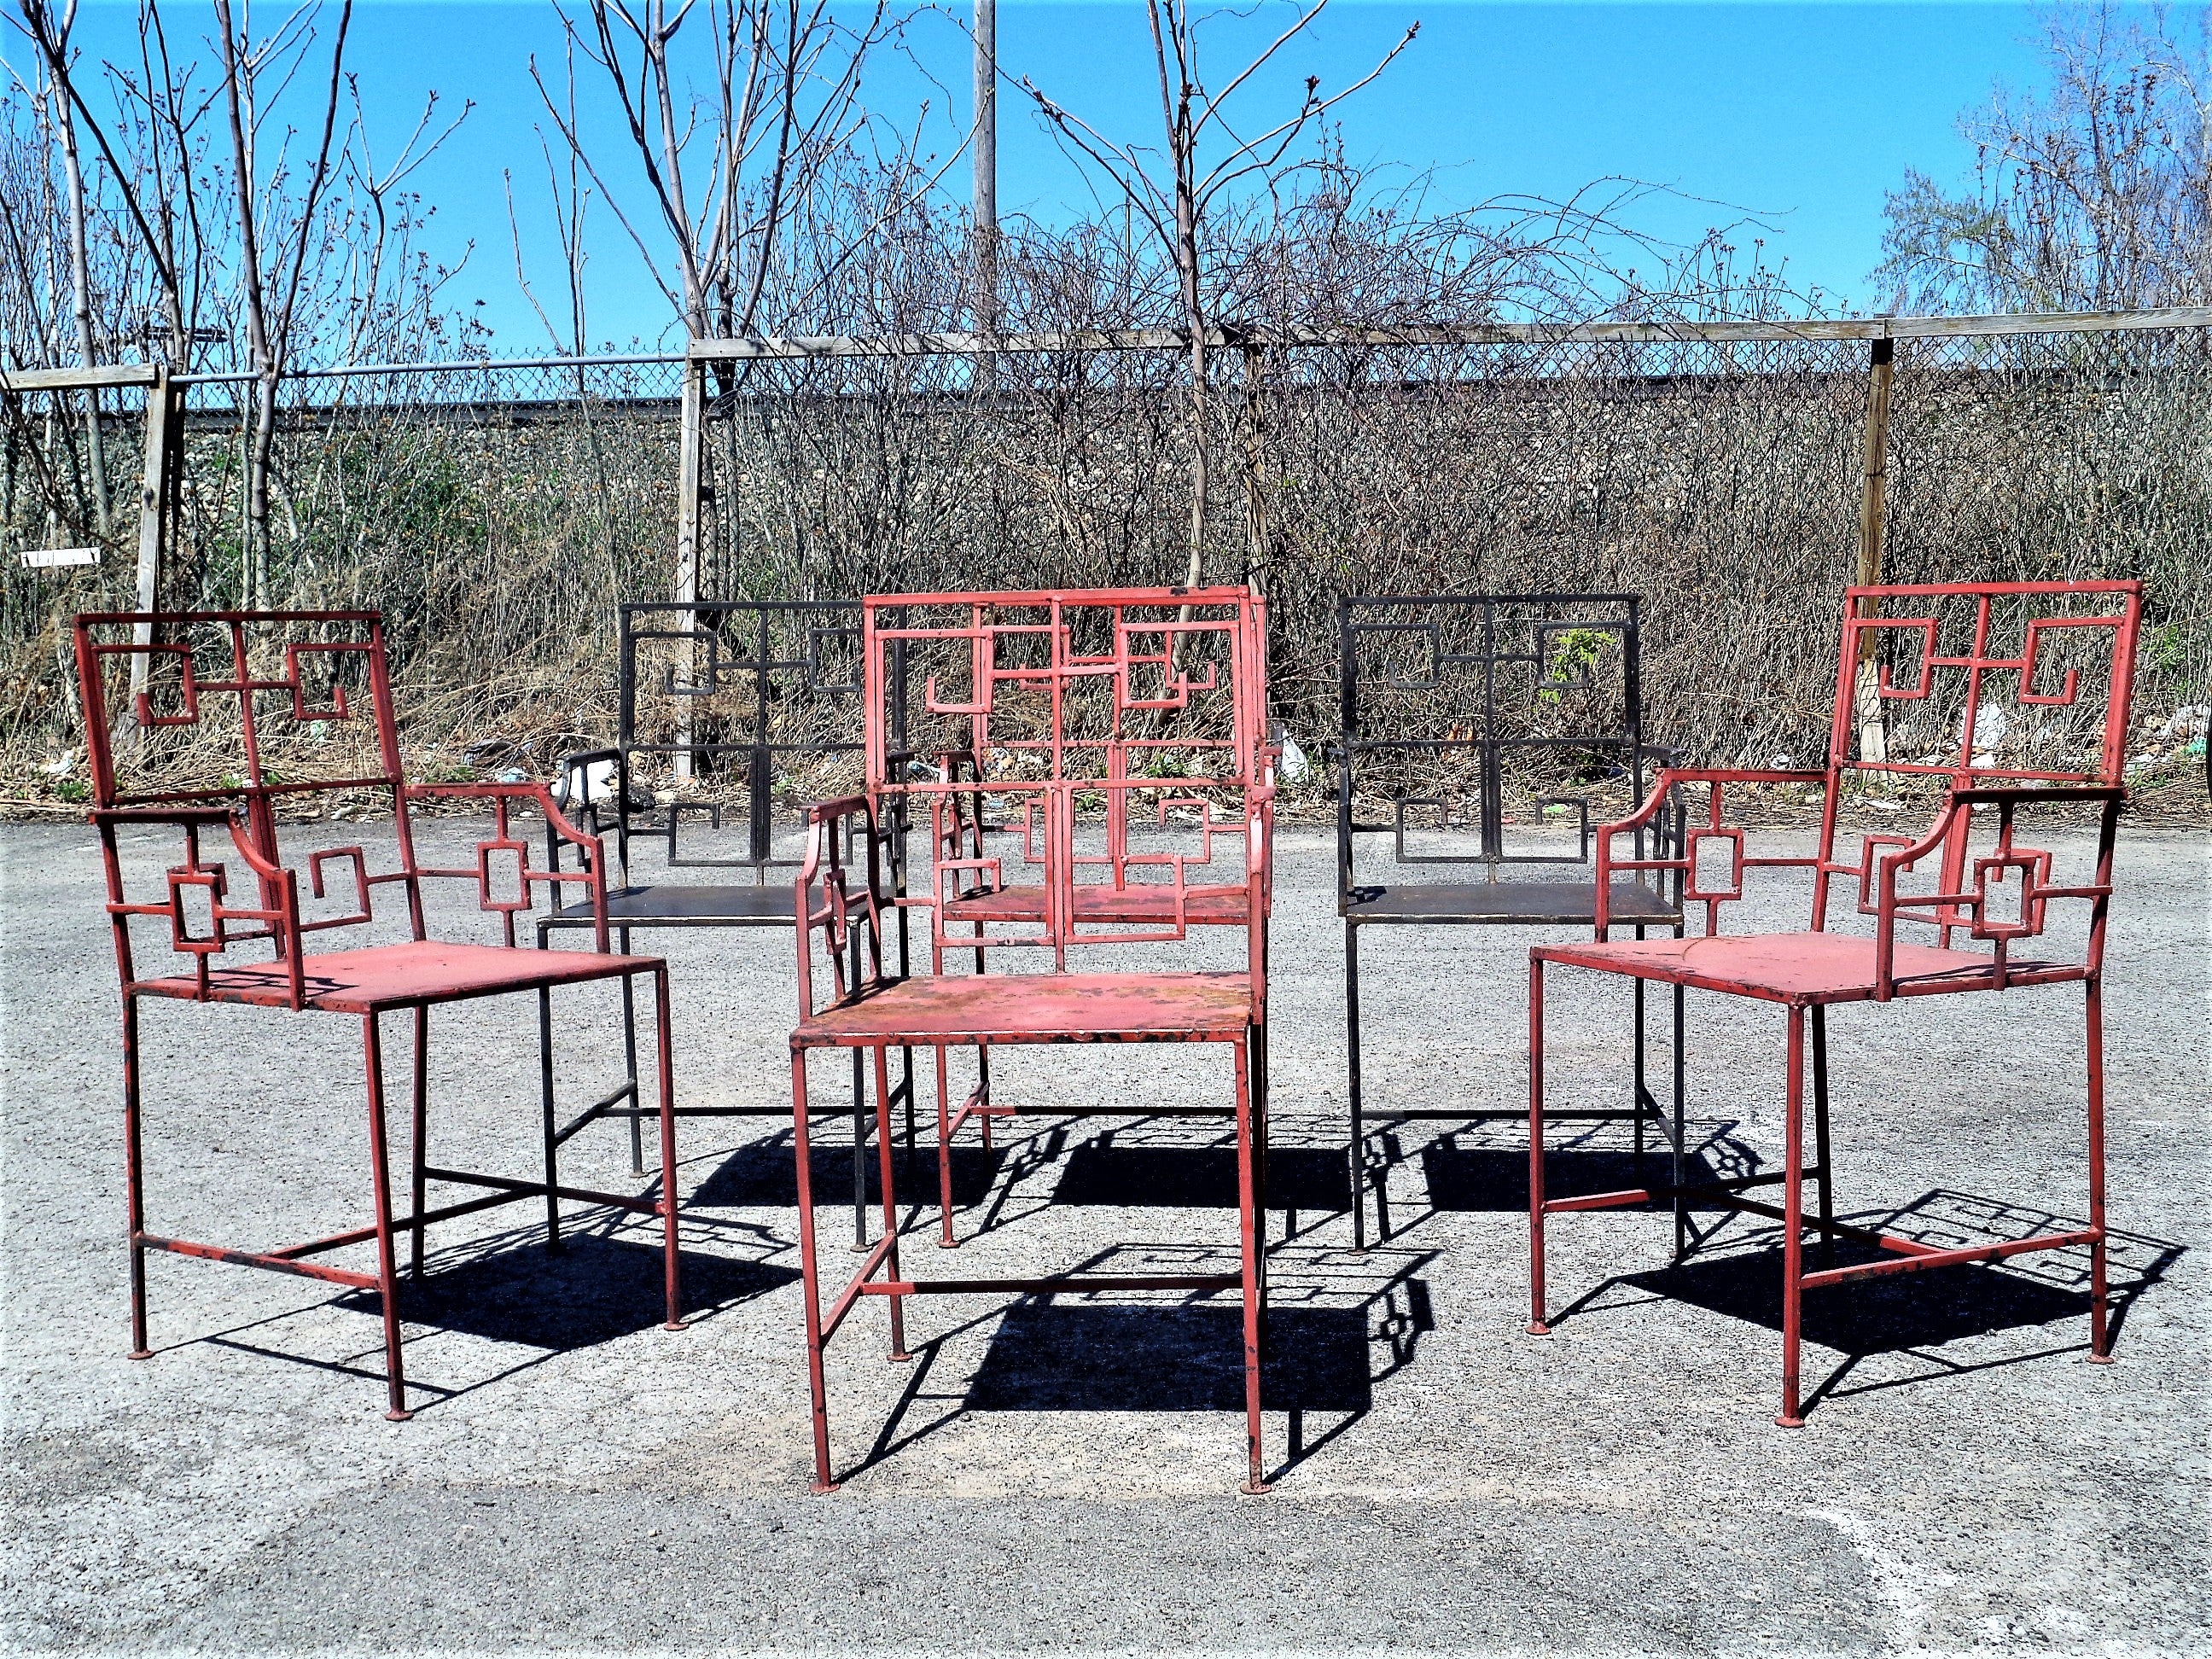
pixel 232 721
pixel 1992 683
pixel 1119 736
pixel 1471 714
pixel 728 699
pixel 1976 686
pixel 1996 696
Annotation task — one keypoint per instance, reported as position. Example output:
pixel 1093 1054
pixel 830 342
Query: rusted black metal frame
pixel 760 753
pixel 1416 613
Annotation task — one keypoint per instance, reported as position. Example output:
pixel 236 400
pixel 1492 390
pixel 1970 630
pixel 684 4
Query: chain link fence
pixel 496 512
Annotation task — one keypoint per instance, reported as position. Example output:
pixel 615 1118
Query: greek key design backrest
pixel 1075 745
pixel 2047 669
pixel 725 706
pixel 1973 687
pixel 1476 720
pixel 204 707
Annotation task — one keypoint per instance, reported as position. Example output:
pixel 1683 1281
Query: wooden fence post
pixel 157 493
pixel 1874 503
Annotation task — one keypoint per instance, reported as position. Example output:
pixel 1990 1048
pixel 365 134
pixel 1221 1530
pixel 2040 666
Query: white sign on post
pixel 50 558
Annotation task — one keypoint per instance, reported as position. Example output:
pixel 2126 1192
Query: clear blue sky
pixel 1805 113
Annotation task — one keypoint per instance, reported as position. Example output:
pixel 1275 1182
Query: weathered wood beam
pixel 72 379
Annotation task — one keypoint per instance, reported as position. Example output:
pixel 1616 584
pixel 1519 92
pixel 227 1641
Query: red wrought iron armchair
pixel 2013 696
pixel 1085 708
pixel 219 722
pixel 977 884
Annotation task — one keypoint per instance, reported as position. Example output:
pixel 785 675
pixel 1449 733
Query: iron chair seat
pixel 665 904
pixel 414 974
pixel 1803 969
pixel 1961 669
pixel 1528 904
pixel 1009 1008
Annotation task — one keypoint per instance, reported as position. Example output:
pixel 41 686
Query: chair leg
pixel 1257 1064
pixel 664 1063
pixel 546 1113
pixel 1636 1100
pixel 1262 1146
pixel 387 1275
pixel 1793 1216
pixel 629 1058
pixel 859 1151
pixel 1536 1325
pixel 2101 1333
pixel 1681 1144
pixel 1821 1153
pixel 811 1286
pixel 1249 1238
pixel 906 1075
pixel 890 1198
pixel 983 1083
pixel 1356 1153
pixel 134 1187
pixel 417 1137
pixel 946 1240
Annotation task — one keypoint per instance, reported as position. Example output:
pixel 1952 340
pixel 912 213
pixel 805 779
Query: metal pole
pixel 1874 492
pixel 985 206
pixel 687 542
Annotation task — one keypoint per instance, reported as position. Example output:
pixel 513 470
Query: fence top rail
pixel 1417 334
pixel 799 346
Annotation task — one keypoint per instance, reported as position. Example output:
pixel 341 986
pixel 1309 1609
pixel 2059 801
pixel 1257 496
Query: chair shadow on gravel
pixel 1335 1330
pixel 1484 1167
pixel 765 1174
pixel 1915 1312
pixel 510 1290
pixel 591 1290
pixel 1107 1171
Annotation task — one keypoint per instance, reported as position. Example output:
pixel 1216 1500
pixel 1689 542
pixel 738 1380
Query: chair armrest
pixel 1663 788
pixel 282 883
pixel 566 790
pixel 831 827
pixel 1957 904
pixel 1995 795
pixel 503 796
pixel 277 914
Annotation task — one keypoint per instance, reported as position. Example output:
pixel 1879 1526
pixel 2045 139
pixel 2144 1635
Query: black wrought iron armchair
pixel 721 705
pixel 1478 720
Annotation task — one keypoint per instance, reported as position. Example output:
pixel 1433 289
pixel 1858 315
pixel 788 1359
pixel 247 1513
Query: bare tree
pixel 273 231
pixel 983 215
pixel 1206 155
pixel 724 168
pixel 2097 197
pixel 570 197
pixel 51 34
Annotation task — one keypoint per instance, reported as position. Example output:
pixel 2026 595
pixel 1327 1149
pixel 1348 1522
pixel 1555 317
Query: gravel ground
pixel 1062 1476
